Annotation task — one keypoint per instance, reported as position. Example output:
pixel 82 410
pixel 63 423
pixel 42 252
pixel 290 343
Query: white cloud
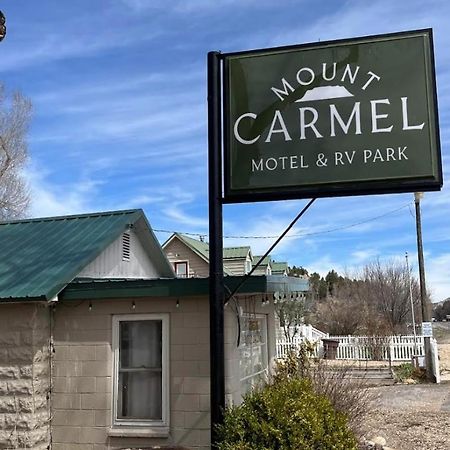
pixel 143 110
pixel 357 18
pixel 364 256
pixel 49 199
pixel 324 264
pixel 438 275
pixel 193 6
pixel 175 213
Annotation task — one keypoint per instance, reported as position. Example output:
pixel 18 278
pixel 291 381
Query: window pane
pixel 139 395
pixel 181 269
pixel 141 344
pixel 253 352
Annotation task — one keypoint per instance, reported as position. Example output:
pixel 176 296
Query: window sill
pixel 145 432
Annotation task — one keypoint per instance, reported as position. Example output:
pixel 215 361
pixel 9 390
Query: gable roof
pixel 41 256
pixel 199 247
pixel 202 248
pixel 265 262
pixel 279 267
pixel 236 252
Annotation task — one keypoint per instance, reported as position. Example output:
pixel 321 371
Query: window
pixel 248 265
pixel 181 269
pixel 253 361
pixel 141 355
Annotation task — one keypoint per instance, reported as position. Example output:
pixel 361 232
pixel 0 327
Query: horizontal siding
pixel 260 270
pixel 235 266
pixel 178 251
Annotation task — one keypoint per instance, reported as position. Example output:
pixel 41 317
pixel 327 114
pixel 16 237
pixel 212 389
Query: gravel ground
pixel 415 417
pixel 411 417
pixel 419 430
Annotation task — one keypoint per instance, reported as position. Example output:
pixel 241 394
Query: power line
pixel 315 233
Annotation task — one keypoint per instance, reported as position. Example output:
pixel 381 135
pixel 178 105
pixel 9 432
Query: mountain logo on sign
pixel 325 93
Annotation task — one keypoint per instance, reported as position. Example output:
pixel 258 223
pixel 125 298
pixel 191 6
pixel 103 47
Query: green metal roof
pixel 177 287
pixel 201 248
pixel 265 262
pixel 235 252
pixel 279 267
pixel 39 257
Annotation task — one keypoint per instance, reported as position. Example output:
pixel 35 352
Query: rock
pixel 379 441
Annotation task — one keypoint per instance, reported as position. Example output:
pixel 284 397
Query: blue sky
pixel 119 95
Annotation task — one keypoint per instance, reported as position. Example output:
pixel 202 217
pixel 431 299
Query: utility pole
pixel 412 304
pixel 2 26
pixel 426 313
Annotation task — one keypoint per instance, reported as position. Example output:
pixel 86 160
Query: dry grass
pixel 348 395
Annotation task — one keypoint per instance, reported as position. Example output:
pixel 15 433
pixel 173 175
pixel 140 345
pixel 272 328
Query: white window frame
pixel 184 261
pixel 265 370
pixel 165 382
pixel 248 265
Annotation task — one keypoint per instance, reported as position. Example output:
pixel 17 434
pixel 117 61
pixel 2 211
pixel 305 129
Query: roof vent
pixel 126 246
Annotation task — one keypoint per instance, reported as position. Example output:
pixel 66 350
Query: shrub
pixel 285 414
pixel 407 371
pixel 346 394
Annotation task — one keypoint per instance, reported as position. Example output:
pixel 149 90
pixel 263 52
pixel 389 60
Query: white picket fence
pixel 366 348
pixel 379 348
pixel 304 332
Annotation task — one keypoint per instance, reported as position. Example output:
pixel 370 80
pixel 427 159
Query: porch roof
pixel 176 287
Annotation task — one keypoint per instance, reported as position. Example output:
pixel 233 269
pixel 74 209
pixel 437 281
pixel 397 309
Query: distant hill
pixel 441 302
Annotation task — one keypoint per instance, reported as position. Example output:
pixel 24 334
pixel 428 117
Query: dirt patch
pixel 411 417
pixel 444 357
pixel 441 332
pixel 411 430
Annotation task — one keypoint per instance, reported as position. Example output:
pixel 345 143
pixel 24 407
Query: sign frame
pixel 342 188
pixel 427 329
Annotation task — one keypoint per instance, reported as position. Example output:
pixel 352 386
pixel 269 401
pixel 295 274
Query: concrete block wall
pixel 24 376
pixel 83 370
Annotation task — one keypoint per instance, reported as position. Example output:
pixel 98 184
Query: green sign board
pixel 349 117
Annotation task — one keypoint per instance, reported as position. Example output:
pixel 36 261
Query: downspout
pixel 51 351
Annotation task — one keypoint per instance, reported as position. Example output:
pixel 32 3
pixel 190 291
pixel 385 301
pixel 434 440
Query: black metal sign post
pixel 216 290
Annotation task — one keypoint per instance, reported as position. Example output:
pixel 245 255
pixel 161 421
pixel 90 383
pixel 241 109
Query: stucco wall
pixel 24 376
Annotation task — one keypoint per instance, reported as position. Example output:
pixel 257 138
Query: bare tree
pixel 291 314
pixel 387 291
pixel 15 115
pixel 339 316
pixel 376 302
